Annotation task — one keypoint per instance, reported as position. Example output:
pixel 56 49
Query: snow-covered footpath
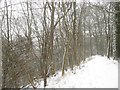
pixel 95 72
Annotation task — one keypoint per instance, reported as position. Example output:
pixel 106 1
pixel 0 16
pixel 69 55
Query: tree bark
pixel 74 33
pixel 117 16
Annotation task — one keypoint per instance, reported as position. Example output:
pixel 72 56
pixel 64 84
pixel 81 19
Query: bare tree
pixel 117 8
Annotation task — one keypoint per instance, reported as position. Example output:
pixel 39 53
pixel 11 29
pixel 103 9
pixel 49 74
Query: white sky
pixel 18 6
pixel 17 1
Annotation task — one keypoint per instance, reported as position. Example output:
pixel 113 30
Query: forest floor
pixel 96 72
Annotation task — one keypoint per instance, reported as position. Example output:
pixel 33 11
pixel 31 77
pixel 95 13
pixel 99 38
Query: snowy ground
pixel 96 72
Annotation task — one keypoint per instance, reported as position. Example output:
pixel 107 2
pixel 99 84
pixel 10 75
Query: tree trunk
pixel 74 34
pixel 117 16
pixel 64 60
pixel 52 38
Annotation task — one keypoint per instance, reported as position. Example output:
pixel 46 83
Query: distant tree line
pixel 42 38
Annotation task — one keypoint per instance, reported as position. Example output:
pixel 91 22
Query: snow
pixel 95 72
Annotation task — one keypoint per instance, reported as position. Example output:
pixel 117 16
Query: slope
pixel 95 72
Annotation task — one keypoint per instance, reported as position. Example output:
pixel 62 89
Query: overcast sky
pixel 17 7
pixel 17 1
